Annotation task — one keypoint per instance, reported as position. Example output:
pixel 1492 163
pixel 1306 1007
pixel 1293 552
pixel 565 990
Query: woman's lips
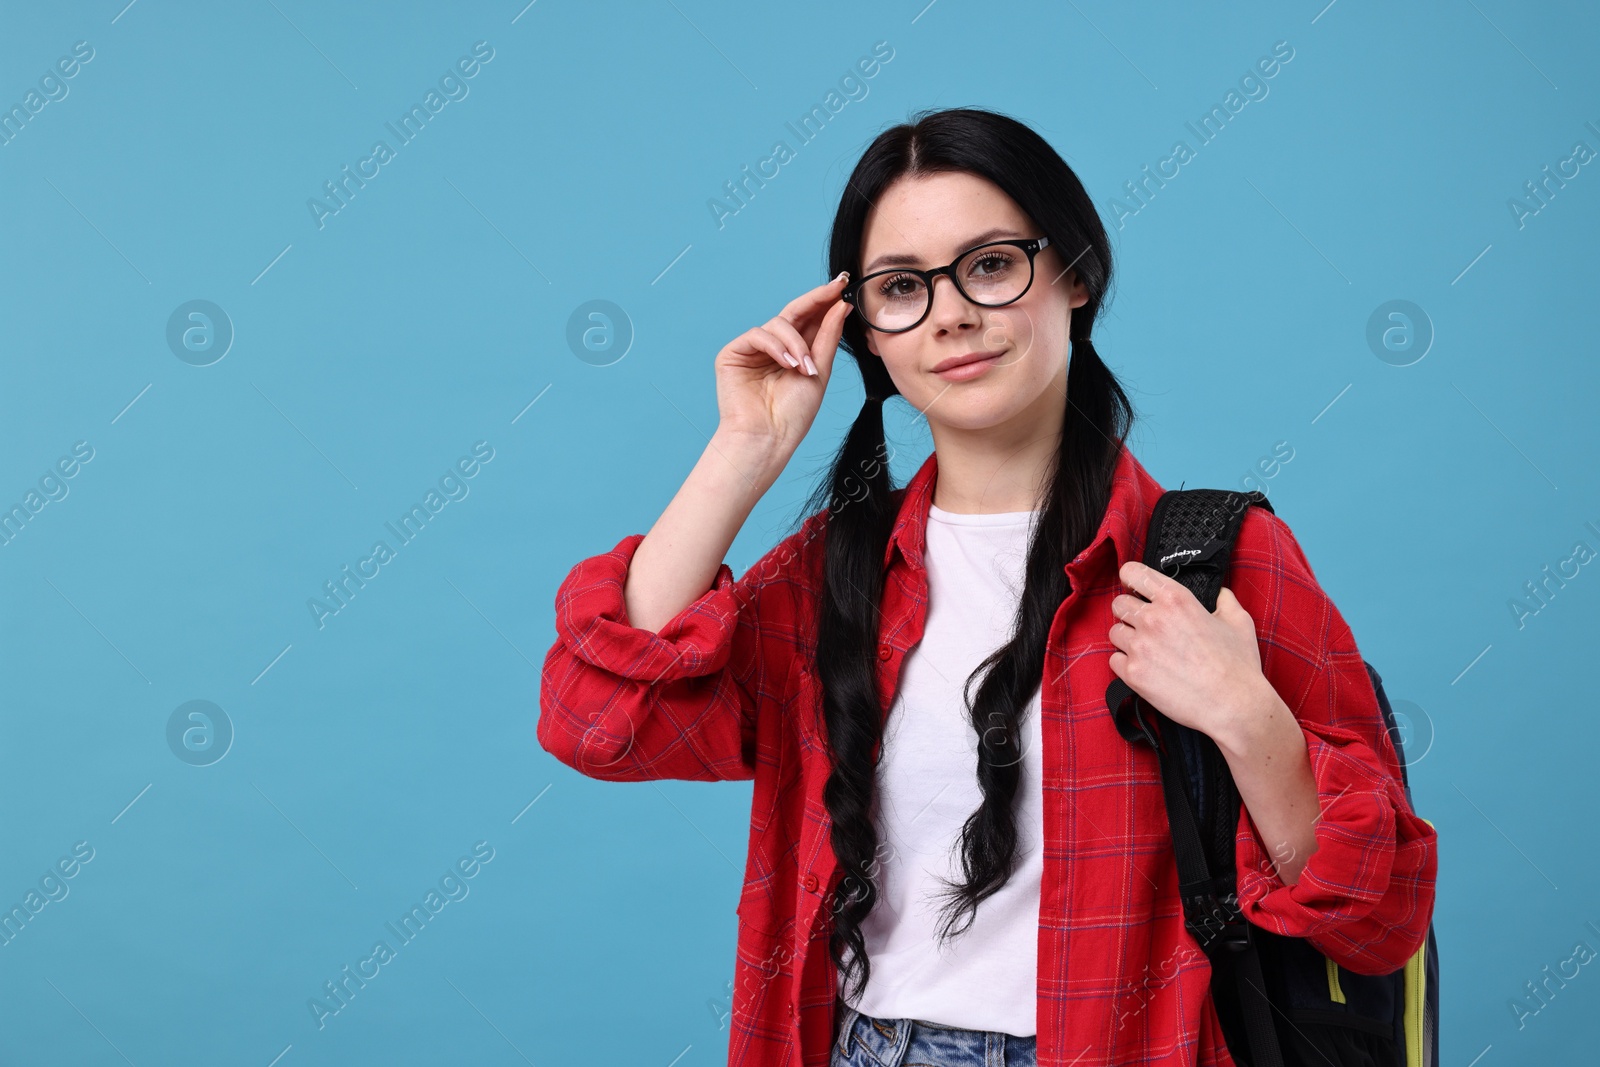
pixel 972 369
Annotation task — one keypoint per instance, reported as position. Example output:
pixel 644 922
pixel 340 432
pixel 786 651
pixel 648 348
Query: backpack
pixel 1281 1002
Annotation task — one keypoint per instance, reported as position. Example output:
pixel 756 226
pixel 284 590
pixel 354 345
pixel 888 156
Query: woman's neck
pixel 979 475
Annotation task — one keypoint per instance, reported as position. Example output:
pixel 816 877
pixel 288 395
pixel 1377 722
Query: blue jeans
pixel 868 1042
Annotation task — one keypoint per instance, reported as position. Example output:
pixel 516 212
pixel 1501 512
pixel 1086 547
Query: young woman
pixel 954 857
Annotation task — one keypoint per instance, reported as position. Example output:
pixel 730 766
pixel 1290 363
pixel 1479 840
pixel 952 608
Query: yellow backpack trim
pixel 1416 989
pixel 1416 995
pixel 1334 992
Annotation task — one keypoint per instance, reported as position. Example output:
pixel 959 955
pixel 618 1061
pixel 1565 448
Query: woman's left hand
pixel 1201 669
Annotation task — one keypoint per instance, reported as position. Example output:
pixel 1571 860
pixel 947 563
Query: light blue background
pixel 432 311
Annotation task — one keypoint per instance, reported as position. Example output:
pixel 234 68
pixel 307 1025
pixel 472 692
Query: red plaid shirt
pixel 727 690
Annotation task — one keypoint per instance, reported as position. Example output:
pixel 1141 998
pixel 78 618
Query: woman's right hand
pixel 763 395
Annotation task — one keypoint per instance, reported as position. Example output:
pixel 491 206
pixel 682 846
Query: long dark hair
pixel 862 507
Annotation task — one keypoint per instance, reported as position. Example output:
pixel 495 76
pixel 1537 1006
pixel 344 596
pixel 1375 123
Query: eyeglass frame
pixel 1031 247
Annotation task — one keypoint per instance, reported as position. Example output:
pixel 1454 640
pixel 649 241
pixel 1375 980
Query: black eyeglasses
pixel 993 275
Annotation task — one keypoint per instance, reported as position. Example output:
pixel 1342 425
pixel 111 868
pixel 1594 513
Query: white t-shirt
pixel 927 786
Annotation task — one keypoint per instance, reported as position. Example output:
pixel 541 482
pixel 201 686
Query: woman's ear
pixel 1077 292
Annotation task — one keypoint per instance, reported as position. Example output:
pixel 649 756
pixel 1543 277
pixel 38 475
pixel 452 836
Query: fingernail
pixel 844 276
pixel 811 367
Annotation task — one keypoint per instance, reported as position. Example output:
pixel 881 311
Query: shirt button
pixel 885 651
pixel 811 883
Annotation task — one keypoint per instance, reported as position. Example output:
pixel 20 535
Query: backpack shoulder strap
pixel 1190 538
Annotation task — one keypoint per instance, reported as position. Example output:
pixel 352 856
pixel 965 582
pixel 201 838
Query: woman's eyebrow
pixel 903 260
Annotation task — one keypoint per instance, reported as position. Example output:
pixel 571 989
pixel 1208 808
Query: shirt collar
pixel 1133 494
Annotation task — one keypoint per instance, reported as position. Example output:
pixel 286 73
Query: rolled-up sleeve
pixel 592 621
pixel 1364 897
pixel 623 703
